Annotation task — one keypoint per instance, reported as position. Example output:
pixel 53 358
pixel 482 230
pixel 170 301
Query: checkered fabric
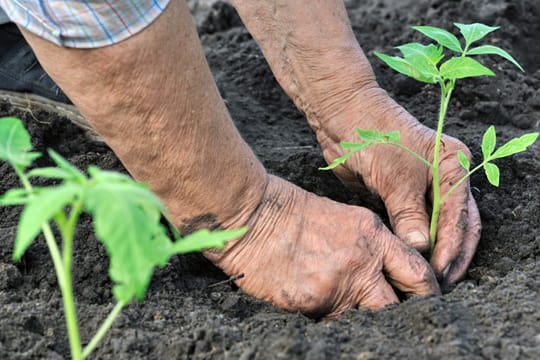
pixel 83 23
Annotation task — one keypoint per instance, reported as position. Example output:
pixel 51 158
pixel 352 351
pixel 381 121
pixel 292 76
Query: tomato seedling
pixel 126 216
pixel 421 62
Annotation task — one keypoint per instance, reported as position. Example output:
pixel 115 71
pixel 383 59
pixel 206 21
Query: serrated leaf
pixel 39 210
pixel 463 67
pixel 442 36
pixel 63 164
pixel 15 145
pixel 402 66
pixel 205 239
pixel 492 173
pixel 126 221
pixel 494 50
pixel 369 135
pixel 474 32
pixel 50 173
pixel 463 160
pixel 488 142
pixel 515 146
pixel 14 197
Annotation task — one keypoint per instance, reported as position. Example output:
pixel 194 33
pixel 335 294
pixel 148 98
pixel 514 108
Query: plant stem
pixel 68 232
pixel 63 270
pixel 105 326
pixel 47 232
pixel 456 185
pixel 446 93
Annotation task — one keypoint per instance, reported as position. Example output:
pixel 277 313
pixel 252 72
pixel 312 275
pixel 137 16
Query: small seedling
pixel 126 218
pixel 421 62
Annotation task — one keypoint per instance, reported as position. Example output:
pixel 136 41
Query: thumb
pixel 407 270
pixel 409 219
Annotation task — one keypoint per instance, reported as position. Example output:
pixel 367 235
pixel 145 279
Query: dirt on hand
pixel 494 313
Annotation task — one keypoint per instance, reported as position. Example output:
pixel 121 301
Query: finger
pixel 472 236
pixel 406 269
pixel 452 226
pixel 378 296
pixel 408 216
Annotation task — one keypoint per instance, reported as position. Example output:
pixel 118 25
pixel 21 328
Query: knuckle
pixel 313 298
pixel 406 213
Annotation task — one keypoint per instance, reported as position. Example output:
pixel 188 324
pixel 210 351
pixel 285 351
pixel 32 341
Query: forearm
pixel 153 99
pixel 312 51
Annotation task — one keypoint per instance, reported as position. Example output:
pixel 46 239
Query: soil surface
pixel 494 313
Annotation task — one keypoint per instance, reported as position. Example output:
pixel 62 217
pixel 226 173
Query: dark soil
pixel 494 313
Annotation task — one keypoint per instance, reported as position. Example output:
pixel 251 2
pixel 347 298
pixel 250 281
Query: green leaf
pixel 474 32
pixel 431 53
pixel 204 239
pixel 63 164
pixel 14 197
pixel 494 50
pixel 39 210
pixel 338 161
pixel 463 67
pixel 15 145
pixel 104 175
pixel 488 142
pixel 492 173
pixel 393 136
pixel 463 160
pixel 402 66
pixel 442 36
pixel 423 58
pixel 126 222
pixel 50 173
pixel 369 135
pixel 515 146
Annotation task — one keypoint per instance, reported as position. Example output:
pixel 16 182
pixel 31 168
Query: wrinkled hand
pixel 403 181
pixel 310 254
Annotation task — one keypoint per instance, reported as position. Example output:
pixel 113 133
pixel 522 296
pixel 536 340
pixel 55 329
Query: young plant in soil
pixel 126 217
pixel 421 62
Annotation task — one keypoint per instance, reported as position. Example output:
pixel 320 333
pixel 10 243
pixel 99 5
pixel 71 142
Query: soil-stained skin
pixel 493 314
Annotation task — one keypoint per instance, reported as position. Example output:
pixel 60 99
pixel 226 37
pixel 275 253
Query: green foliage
pixel 369 138
pixel 441 36
pixel 489 140
pixel 492 173
pixel 463 160
pixel 474 32
pixel 42 207
pixel 463 67
pixel 15 146
pixel 514 146
pixel 423 63
pixel 494 50
pixel 127 220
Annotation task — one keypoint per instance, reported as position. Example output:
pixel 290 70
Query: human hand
pixel 310 254
pixel 403 182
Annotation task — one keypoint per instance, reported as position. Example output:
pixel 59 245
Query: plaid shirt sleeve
pixel 83 23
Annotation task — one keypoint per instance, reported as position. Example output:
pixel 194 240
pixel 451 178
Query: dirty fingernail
pixel 418 241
